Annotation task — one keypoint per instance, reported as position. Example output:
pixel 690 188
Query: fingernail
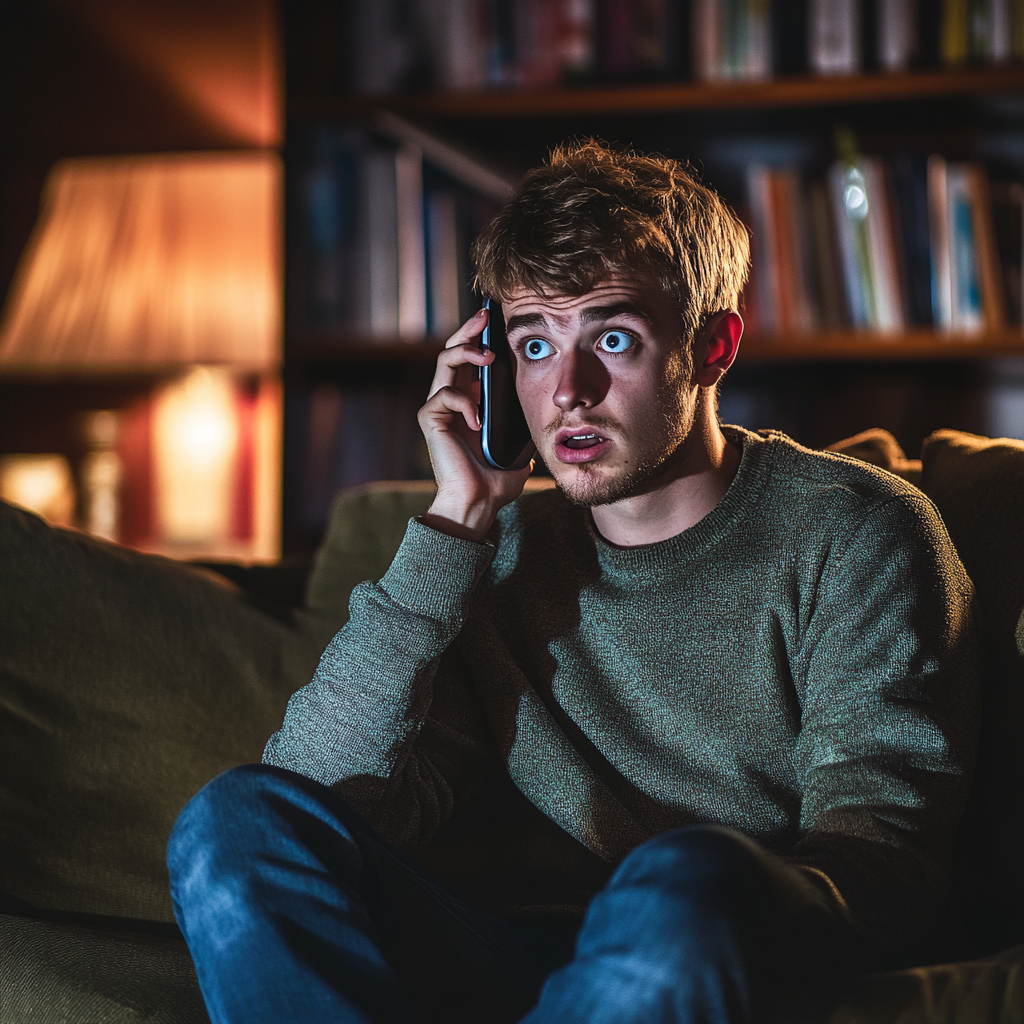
pixel 481 311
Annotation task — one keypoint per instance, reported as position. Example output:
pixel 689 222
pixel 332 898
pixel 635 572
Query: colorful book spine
pixel 989 270
pixel 883 263
pixel 848 192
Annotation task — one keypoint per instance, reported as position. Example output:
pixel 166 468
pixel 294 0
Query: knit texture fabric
pixel 799 665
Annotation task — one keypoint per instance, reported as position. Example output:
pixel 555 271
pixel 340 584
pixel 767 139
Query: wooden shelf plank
pixel 830 346
pixel 337 349
pixel 668 97
pixel 858 346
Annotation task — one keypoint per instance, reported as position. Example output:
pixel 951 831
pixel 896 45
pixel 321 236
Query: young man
pixel 730 679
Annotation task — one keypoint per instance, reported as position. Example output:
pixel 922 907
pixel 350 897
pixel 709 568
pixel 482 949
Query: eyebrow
pixel 597 314
pixel 525 321
pixel 590 315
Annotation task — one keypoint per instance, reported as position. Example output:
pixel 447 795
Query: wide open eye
pixel 537 348
pixel 615 341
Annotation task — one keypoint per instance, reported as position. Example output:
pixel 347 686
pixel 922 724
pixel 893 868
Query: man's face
pixel 605 384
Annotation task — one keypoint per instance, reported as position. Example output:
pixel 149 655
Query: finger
pixel 451 360
pixel 470 329
pixel 446 402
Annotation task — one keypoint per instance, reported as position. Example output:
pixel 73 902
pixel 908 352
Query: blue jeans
pixel 294 910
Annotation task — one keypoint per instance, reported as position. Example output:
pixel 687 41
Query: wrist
pixel 458 519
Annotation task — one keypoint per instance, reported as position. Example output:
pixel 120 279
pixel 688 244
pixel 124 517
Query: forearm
pixel 373 689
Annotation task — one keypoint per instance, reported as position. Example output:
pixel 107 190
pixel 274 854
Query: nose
pixel 583 381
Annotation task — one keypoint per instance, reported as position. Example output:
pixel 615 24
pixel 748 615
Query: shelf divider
pixel 823 346
pixel 668 97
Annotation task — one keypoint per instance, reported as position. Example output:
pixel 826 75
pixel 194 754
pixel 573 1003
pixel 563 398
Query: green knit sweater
pixel 799 665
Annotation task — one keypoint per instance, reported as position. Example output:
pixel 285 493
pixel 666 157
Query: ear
pixel 716 348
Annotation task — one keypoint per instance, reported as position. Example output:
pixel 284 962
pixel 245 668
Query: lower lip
pixel 570 455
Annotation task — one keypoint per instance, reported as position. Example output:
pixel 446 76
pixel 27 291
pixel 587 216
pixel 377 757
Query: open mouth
pixel 580 445
pixel 582 440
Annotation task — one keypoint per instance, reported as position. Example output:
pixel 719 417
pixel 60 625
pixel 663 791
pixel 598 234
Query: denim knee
pixel 702 858
pixel 248 813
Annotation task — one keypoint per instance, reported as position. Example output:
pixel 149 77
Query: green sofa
pixel 128 681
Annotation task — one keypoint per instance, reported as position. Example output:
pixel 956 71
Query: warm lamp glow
pixel 41 484
pixel 148 262
pixel 195 438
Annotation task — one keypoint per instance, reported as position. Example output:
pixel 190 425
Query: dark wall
pixel 75 82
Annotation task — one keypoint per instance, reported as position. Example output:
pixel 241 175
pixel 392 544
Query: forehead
pixel 648 299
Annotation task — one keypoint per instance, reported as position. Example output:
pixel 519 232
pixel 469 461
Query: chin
pixel 590 485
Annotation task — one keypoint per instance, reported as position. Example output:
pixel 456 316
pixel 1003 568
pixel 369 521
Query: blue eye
pixel 536 348
pixel 615 341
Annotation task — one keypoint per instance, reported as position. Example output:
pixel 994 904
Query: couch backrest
pixel 978 485
pixel 127 682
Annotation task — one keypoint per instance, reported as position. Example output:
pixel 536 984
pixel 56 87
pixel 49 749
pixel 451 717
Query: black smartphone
pixel 505 437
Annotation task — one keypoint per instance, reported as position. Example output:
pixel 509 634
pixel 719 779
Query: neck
pixel 700 474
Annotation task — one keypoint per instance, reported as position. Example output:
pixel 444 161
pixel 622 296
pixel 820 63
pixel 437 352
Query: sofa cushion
pixel 127 681
pixel 881 449
pixel 987 991
pixel 978 485
pixel 54 973
pixel 366 527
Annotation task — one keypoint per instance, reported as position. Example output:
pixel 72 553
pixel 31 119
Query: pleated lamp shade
pixel 151 263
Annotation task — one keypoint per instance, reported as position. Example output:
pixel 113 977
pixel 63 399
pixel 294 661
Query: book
pixel 834 44
pixel 867 244
pixel 956 253
pixel 781 250
pixel 328 214
pixel 883 263
pixel 897 34
pixel 999 31
pixel 989 271
pixel 442 237
pixel 412 270
pixel 638 39
pixel 452 32
pixel 910 188
pixel 939 235
pixel 385 47
pixel 731 39
pixel 826 272
pixel 379 310
pixel 848 192
pixel 955 36
pixel 764 291
pixel 574 28
pixel 705 36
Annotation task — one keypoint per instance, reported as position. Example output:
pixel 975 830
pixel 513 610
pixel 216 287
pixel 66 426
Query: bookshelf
pixel 819 385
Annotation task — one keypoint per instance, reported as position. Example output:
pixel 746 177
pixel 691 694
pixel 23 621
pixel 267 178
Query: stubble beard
pixel 656 448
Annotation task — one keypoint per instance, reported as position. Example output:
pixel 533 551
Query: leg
pixel 697 926
pixel 295 911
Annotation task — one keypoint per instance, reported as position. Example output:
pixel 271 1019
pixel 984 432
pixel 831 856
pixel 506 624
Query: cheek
pixel 533 399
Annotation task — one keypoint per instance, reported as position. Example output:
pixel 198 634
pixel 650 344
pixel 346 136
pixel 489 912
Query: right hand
pixel 469 491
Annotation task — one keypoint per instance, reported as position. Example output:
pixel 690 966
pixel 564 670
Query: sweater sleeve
pixel 388 718
pixel 889 721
